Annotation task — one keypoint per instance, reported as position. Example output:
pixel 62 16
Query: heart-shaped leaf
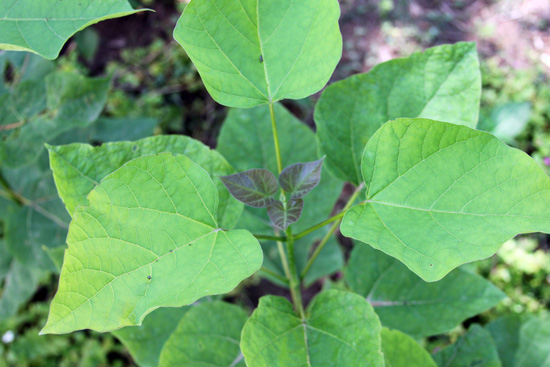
pixel 283 216
pixel 475 348
pixel 252 52
pixel 443 83
pixel 440 195
pixel 400 350
pixel 253 187
pixel 405 302
pixel 208 335
pixel 44 27
pixel 338 326
pixel 300 178
pixel 148 239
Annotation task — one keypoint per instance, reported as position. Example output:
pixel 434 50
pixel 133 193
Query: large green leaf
pixel 208 335
pixel 340 329
pixel 440 195
pixel 35 113
pixel 148 239
pixel 400 350
pixel 475 349
pixel 78 168
pixel 443 83
pixel 252 52
pixel 407 303
pixel 246 140
pixel 43 27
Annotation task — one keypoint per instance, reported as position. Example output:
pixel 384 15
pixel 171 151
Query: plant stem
pixel 275 138
pixel 320 225
pixel 331 231
pixel 294 280
pixel 284 261
pixel 274 275
pixel 270 238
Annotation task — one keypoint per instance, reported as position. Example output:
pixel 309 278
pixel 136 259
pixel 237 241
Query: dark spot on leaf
pixel 261 58
pixel 431 264
pixel 134 148
pixel 149 277
pixel 171 251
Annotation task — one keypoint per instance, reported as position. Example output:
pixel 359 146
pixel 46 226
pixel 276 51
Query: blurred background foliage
pixel 154 82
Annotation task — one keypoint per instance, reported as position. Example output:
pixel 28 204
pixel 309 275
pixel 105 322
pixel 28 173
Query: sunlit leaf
pixel 148 239
pixel 440 195
pixel 400 350
pixel 43 27
pixel 253 52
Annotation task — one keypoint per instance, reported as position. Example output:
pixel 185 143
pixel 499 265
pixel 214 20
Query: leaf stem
pixel 270 238
pixel 319 225
pixel 275 137
pixel 274 275
pixel 331 231
pixel 294 280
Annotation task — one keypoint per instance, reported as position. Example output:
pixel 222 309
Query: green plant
pixel 155 227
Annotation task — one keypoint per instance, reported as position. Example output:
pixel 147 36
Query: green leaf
pixel 246 141
pixel 209 335
pixel 405 302
pixel 340 327
pixel 253 187
pixel 44 27
pixel 78 168
pixel 145 342
pixel 440 195
pixel 41 220
pixel 65 102
pixel 19 285
pixel 300 178
pixel 475 349
pixel 505 332
pixel 534 342
pixel 400 350
pixel 443 83
pixel 254 52
pixel 149 239
pixel 283 216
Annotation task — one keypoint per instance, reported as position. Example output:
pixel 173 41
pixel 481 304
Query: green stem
pixel 270 238
pixel 275 138
pixel 330 231
pixel 274 275
pixel 294 280
pixel 320 225
pixel 284 261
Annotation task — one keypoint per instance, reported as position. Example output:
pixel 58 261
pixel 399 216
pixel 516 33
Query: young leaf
pixel 443 83
pixel 146 342
pixel 254 52
pixel 208 335
pixel 440 195
pixel 44 27
pixel 78 168
pixel 475 348
pixel 338 324
pixel 247 142
pixel 400 350
pixel 253 187
pixel 300 178
pixel 405 302
pixel 283 217
pixel 149 239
